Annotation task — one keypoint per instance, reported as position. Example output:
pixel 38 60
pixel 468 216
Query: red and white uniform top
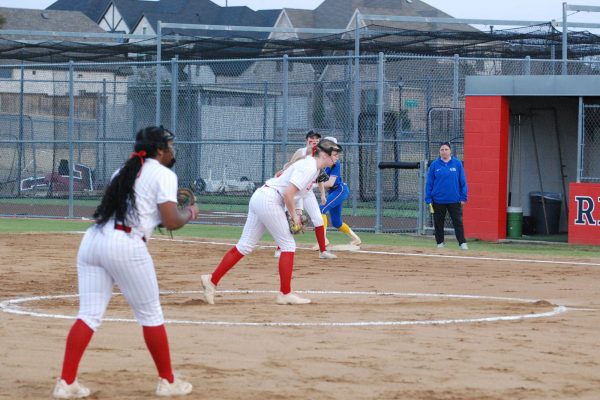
pixel 156 184
pixel 301 174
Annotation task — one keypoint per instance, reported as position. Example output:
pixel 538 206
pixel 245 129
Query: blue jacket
pixel 446 182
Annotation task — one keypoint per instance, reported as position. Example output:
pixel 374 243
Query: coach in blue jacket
pixel 447 191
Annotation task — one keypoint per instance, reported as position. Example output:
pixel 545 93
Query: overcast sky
pixel 536 10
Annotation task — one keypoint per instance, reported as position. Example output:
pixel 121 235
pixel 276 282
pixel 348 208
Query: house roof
pixel 338 13
pixel 270 16
pixel 14 48
pixel 301 18
pixel 174 11
pixel 92 8
pixel 182 11
pixel 47 20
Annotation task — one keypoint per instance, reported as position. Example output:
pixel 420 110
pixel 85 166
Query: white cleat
pixel 291 298
pixel 277 254
pixel 179 387
pixel 209 288
pixel 440 245
pixel 464 246
pixel 326 255
pixel 75 390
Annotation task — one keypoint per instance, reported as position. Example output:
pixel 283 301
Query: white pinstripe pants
pixel 107 256
pixel 266 212
pixel 311 206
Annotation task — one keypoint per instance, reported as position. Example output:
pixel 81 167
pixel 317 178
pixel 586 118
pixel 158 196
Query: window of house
pixel 5 73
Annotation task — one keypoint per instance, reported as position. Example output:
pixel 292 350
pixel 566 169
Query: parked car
pixel 223 185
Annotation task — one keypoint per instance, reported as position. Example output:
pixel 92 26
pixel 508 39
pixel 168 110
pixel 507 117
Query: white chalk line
pixel 13 306
pixel 392 253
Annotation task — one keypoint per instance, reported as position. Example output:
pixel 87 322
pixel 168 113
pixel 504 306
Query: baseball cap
pixel 312 133
pixel 331 138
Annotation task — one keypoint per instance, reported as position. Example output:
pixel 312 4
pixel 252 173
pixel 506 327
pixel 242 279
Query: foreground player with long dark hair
pixel 141 195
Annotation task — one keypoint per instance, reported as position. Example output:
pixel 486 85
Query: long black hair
pixel 119 197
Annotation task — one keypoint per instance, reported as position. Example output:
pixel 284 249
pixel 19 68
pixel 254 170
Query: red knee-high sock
pixel 77 341
pixel 229 260
pixel 286 266
pixel 320 234
pixel 158 344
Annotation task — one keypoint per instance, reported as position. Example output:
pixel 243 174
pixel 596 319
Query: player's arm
pixel 289 199
pixel 295 157
pixel 330 182
pixel 171 216
pixel 323 195
pixel 174 218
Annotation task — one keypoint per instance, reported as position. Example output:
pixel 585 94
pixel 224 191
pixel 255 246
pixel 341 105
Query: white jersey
pixel 303 151
pixel 301 174
pixel 156 184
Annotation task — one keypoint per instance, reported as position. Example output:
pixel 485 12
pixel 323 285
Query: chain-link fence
pixel 65 128
pixel 590 145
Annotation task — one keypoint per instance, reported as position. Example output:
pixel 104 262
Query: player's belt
pixel 276 191
pixel 126 229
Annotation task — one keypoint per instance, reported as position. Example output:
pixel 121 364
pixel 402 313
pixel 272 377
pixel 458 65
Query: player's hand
pixel 193 212
pixel 323 200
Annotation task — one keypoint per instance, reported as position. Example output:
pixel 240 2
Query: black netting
pixel 538 41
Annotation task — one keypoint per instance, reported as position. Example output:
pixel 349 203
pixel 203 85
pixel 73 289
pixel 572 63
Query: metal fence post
pixel 174 84
pixel 158 59
pixel 565 31
pixel 379 150
pixel 420 197
pixel 528 65
pixel 264 132
pixel 70 134
pixel 355 114
pixel 580 143
pixel 104 104
pixel 21 135
pixel 286 100
pixel 455 95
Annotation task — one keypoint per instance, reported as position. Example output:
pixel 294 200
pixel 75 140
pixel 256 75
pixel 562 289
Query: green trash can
pixel 514 226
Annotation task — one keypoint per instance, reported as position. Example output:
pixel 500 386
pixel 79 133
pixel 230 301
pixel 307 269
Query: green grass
pixel 51 201
pixel 402 242
pixel 229 204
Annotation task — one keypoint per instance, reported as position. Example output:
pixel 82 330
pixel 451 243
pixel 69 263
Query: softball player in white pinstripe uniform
pixel 307 201
pixel 140 196
pixel 267 212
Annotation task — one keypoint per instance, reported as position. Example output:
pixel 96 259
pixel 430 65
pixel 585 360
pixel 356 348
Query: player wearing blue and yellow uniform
pixel 337 192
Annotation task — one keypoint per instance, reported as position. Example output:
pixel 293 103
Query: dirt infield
pixel 368 334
